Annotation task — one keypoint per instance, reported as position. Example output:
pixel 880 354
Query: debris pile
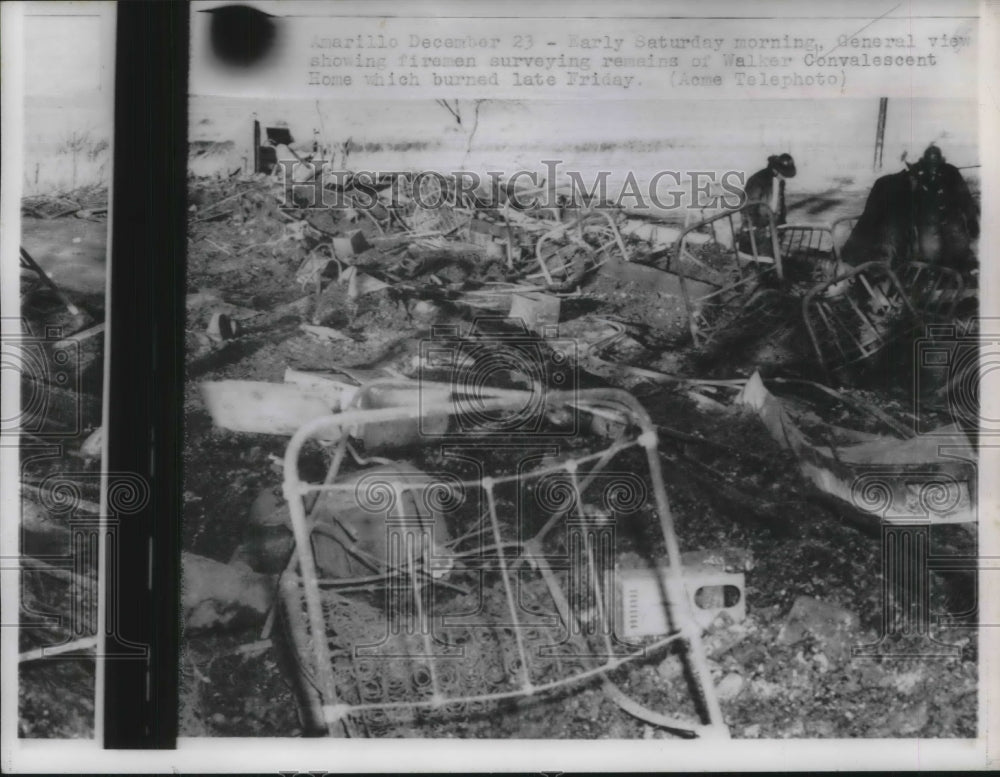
pixel 59 354
pixel 723 332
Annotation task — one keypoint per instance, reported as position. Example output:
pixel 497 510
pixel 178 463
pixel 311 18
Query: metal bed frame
pixel 438 680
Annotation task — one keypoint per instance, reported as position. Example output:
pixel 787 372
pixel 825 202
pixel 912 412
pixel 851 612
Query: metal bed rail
pixel 510 562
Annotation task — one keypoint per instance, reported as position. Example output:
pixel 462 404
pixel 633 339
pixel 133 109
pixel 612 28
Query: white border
pixel 989 457
pixel 236 755
pixel 12 139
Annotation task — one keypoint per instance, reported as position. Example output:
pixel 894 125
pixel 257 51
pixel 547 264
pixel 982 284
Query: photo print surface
pixel 53 350
pixel 610 379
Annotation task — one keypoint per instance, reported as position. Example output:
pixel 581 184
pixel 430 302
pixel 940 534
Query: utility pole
pixel 256 146
pixel 883 105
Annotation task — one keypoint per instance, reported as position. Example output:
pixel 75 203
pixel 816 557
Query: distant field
pixel 68 141
pixel 832 140
pixel 67 146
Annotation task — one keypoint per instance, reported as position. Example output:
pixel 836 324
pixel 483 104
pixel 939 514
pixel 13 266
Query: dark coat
pixel 911 216
pixel 760 189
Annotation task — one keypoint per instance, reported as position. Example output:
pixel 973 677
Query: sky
pixel 64 44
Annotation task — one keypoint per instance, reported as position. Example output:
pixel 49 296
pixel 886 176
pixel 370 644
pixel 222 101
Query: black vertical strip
pixel 146 371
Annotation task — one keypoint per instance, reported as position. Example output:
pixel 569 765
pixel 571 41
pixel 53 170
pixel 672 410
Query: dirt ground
pixel 56 695
pixel 729 485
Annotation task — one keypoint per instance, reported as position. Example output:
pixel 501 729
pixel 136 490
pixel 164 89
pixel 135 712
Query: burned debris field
pixel 291 311
pixel 776 382
pixel 526 374
pixel 61 356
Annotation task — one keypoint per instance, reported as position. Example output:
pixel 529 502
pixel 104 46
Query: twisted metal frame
pixel 308 614
pixel 842 315
pixel 734 292
pixel 28 263
pixel 815 244
pixel 564 229
pixel 924 292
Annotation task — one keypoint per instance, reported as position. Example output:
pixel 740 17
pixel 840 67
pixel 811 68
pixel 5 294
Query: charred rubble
pixel 59 354
pixel 777 378
pixel 774 376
